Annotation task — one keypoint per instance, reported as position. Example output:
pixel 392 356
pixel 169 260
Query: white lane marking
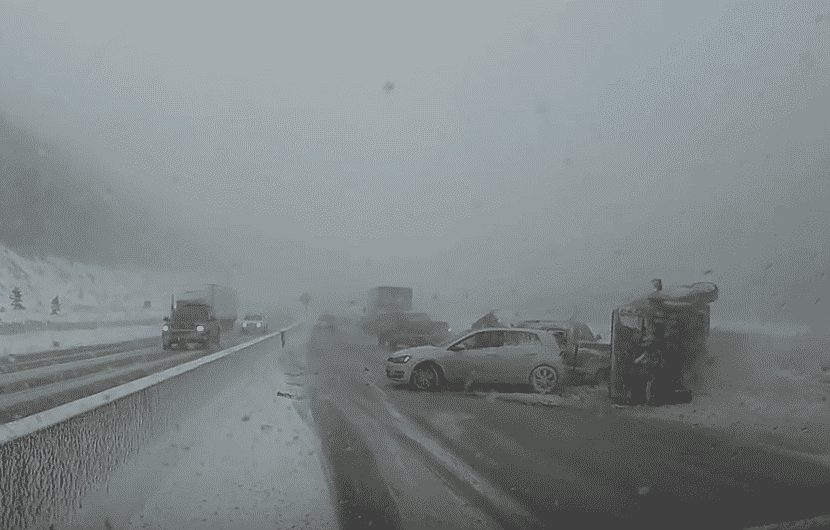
pixel 819 521
pixel 47 418
pixel 820 459
pixel 494 495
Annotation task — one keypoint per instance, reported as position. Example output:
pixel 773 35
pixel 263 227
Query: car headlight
pixel 259 324
pixel 165 328
pixel 403 359
pixel 200 328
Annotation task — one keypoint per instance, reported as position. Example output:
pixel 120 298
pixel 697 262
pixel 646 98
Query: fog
pixel 550 154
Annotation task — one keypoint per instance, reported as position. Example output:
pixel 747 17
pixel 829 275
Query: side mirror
pixel 457 348
pixel 167 319
pixel 599 337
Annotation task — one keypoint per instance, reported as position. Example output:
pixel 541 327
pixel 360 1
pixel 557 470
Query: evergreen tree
pixel 56 305
pixel 17 299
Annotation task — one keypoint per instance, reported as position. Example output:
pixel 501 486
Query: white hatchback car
pixel 492 355
pixel 253 324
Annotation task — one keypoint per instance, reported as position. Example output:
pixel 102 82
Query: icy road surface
pixel 405 459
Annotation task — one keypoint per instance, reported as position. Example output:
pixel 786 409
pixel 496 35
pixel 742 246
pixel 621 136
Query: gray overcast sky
pixel 552 133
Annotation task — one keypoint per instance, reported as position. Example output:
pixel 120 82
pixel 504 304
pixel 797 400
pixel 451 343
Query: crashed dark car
pixel 401 328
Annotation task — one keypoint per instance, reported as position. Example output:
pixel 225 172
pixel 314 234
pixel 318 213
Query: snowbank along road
pixel 213 443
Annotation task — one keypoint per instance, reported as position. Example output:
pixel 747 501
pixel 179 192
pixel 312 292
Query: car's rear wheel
pixel 544 379
pixel 425 377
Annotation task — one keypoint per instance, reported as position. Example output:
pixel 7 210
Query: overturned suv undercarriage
pixel 656 341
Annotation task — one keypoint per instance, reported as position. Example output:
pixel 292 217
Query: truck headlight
pixel 259 324
pixel 200 328
pixel 165 328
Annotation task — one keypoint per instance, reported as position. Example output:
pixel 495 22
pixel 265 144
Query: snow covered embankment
pixel 20 344
pixel 85 293
pixel 95 304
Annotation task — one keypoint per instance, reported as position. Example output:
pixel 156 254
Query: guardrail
pixel 49 460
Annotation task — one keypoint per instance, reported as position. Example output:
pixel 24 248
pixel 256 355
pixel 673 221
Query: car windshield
pixel 624 205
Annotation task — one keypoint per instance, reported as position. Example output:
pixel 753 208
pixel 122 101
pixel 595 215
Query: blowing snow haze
pixel 510 151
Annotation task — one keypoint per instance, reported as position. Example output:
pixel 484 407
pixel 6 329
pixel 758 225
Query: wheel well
pixel 555 369
pixel 434 365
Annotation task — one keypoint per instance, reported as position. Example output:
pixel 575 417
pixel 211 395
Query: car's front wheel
pixel 544 379
pixel 425 377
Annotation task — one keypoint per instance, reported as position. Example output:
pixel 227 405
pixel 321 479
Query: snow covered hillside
pixel 86 293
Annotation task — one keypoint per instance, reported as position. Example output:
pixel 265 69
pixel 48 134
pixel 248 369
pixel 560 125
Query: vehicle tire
pixel 544 379
pixel 218 341
pixel 425 376
pixel 165 346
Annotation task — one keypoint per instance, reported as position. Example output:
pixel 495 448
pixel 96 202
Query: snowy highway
pixel 34 382
pixel 404 459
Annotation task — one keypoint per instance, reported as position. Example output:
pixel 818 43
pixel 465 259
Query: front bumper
pixel 398 372
pixel 185 337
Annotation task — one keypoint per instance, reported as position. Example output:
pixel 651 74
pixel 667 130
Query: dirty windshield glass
pixel 475 264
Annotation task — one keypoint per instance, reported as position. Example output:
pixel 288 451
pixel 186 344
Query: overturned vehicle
pixel 656 343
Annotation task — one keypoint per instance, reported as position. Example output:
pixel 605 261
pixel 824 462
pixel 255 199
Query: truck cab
pixel 190 324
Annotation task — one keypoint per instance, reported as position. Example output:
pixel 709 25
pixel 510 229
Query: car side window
pixel 513 338
pixel 467 344
pixel 530 338
pixel 521 338
pixel 491 339
pixel 484 339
